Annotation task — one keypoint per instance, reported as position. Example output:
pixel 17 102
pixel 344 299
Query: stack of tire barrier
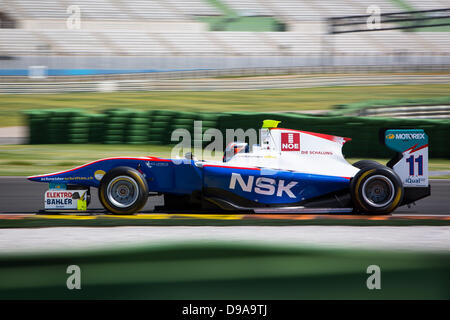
pixel 160 122
pixel 181 121
pixel 137 128
pixel 119 126
pixel 58 126
pixel 116 125
pixel 190 121
pixel 97 124
pixel 37 126
pixel 364 131
pixel 78 127
pixel 209 120
pixel 58 130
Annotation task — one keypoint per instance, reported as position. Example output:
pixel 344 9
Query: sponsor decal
pixel 390 136
pixel 409 136
pixel 55 202
pixel 262 185
pixel 73 199
pixel 52 179
pixel 290 141
pixel 99 174
pixel 150 164
pixel 414 180
pixel 320 153
pixel 252 156
pixel 66 178
pixel 58 194
pixel 57 186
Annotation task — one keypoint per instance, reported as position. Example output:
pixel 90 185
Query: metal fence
pixel 218 84
pixel 91 65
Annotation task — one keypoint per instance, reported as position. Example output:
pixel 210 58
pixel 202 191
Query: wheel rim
pixel 378 191
pixel 122 191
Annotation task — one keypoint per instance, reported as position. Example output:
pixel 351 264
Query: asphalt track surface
pixel 20 196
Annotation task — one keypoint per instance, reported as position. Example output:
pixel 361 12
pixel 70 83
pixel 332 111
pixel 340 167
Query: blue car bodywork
pixel 166 176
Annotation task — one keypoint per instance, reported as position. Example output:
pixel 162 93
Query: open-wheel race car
pixel 290 171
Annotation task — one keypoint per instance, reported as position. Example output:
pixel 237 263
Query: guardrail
pixel 238 72
pixel 389 107
pixel 221 84
pixel 422 112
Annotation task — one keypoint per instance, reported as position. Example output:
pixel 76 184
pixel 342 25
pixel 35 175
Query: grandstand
pixel 291 10
pixel 166 29
pixel 109 9
pixel 141 43
pixel 294 10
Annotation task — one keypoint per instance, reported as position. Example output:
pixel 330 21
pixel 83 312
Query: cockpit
pixel 234 148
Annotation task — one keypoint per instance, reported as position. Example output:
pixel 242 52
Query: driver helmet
pixel 234 148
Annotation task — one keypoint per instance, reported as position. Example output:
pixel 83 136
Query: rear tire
pixel 123 190
pixel 376 190
pixel 362 164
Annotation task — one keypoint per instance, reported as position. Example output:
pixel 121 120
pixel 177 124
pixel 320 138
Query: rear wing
pixel 410 162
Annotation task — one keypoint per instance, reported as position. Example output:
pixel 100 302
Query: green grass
pixel 324 98
pixel 225 271
pixel 24 160
pixel 37 159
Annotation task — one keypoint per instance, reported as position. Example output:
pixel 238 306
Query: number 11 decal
pixel 419 161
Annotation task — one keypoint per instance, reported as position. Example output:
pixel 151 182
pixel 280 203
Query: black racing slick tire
pixel 362 164
pixel 376 190
pixel 123 190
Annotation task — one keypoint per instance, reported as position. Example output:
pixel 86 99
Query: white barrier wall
pixel 175 63
pixel 165 26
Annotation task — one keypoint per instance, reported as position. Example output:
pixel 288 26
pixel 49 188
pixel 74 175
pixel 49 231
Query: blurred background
pixel 82 80
pixel 167 38
pixel 130 72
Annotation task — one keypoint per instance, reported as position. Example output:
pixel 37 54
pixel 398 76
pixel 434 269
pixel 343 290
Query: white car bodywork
pixel 300 151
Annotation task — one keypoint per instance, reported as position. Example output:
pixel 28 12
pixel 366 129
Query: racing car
pixel 290 171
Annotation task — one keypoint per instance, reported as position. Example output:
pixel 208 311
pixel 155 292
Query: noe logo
pixel 290 141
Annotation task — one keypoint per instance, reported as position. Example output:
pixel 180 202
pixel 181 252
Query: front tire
pixel 123 190
pixel 376 190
